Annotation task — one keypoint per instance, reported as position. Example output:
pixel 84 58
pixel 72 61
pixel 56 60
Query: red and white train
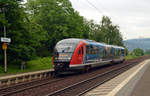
pixel 70 54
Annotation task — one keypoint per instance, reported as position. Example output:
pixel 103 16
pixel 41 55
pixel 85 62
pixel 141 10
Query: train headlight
pixel 69 58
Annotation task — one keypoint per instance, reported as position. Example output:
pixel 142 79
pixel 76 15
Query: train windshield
pixel 65 47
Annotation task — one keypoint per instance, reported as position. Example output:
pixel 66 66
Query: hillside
pixel 137 43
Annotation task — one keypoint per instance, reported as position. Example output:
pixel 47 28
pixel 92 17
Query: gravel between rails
pixel 27 85
pixel 73 79
pixel 81 87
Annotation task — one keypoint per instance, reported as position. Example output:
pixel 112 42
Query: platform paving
pixel 142 88
pixel 26 73
pixel 22 77
pixel 124 84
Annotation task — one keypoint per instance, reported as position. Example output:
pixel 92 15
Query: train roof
pixel 95 43
pixel 70 40
pixel 91 42
pixel 119 47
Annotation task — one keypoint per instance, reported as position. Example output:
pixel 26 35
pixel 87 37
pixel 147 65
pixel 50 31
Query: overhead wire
pixel 94 6
pixel 75 4
pixel 100 11
pixel 114 16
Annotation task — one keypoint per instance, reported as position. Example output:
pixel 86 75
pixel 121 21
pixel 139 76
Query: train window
pixel 116 53
pixel 112 51
pixel 87 49
pixel 65 47
pixel 104 53
pixel 101 52
pixel 79 52
pixel 96 50
pixel 122 51
pixel 92 50
pixel 82 50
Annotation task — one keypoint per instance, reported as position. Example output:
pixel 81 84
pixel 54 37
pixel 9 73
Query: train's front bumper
pixel 61 65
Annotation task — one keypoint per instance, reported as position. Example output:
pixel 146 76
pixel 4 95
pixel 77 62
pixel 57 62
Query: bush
pixel 138 52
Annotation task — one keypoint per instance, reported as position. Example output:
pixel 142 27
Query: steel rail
pixel 26 88
pixel 58 92
pixel 82 93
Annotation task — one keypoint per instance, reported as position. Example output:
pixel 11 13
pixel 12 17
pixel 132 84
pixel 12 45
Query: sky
pixel 132 16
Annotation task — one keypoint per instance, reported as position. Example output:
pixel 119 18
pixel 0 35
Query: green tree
pixel 25 35
pixel 138 52
pixel 111 32
pixel 147 51
pixel 58 19
pixel 105 32
pixel 94 31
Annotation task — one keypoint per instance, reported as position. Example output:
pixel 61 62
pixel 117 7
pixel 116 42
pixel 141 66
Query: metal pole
pixel 5 61
pixel 4 24
pixel 5 53
pixel 4 31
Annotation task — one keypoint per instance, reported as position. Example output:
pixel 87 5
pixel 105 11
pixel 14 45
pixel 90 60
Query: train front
pixel 63 52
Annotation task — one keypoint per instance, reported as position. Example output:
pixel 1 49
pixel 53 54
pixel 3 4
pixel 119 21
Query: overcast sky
pixel 133 16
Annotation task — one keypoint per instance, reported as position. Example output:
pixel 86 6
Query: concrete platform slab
pixel 17 78
pixel 142 87
pixel 123 84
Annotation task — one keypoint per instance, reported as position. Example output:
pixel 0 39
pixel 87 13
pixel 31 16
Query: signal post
pixel 4 47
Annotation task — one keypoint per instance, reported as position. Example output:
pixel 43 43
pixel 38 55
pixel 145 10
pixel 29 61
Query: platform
pixel 17 78
pixel 142 88
pixel 127 83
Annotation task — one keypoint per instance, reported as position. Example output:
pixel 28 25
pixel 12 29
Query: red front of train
pixel 67 53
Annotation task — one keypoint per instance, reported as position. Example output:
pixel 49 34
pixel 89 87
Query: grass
pixel 33 65
pixel 36 65
pixel 130 57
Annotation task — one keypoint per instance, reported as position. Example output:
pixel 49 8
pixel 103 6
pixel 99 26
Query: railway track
pixel 75 85
pixel 82 87
pixel 26 86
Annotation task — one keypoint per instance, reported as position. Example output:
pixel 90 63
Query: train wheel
pixel 122 60
pixel 54 74
pixel 112 62
pixel 87 68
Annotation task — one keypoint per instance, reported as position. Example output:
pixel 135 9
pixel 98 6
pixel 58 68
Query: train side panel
pixel 79 54
pixel 89 54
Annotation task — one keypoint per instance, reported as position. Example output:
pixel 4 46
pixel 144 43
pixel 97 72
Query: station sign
pixel 4 39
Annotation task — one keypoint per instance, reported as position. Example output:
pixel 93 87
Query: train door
pixel 80 54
